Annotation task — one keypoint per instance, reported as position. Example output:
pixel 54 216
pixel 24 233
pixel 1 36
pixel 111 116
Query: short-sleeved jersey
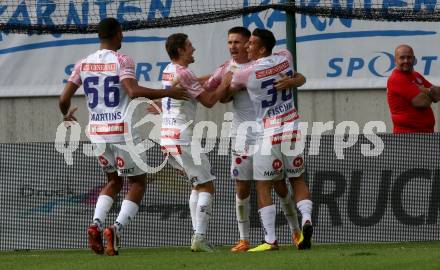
pixel 402 87
pixel 242 104
pixel 100 74
pixel 177 113
pixel 275 111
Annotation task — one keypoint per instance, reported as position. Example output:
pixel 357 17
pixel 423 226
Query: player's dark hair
pixel 108 28
pixel 240 30
pixel 175 42
pixel 267 39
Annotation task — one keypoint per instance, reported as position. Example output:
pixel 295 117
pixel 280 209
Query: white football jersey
pixel 274 109
pixel 100 74
pixel 242 104
pixel 177 114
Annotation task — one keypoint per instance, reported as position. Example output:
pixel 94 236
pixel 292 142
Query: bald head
pixel 403 48
pixel 404 58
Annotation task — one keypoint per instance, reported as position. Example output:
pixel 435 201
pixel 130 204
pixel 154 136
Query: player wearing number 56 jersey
pixel 109 84
pixel 276 118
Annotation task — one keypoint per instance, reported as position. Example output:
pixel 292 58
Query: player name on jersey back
pixel 100 74
pixel 275 112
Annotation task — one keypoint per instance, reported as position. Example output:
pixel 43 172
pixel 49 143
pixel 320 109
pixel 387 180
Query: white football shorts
pixel 180 158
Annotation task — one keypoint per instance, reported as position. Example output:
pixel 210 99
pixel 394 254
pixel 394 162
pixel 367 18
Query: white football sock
pixel 204 206
pixel 290 213
pixel 129 209
pixel 267 215
pixel 305 207
pixel 103 205
pixel 193 198
pixel 242 208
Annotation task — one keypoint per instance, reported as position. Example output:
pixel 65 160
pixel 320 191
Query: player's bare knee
pixel 206 187
pixel 281 188
pixel 297 179
pixel 243 189
pixel 138 180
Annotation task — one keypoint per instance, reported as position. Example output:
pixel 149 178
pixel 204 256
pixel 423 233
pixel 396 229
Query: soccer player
pixel 176 132
pixel 109 83
pixel 277 125
pixel 241 161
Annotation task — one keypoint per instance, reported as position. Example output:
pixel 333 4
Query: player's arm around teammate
pixel 109 83
pixel 285 82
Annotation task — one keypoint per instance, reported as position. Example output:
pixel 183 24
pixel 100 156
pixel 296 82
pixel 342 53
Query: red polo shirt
pixel 402 87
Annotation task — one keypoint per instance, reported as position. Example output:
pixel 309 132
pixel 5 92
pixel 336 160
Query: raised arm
pixel 209 98
pixel 134 90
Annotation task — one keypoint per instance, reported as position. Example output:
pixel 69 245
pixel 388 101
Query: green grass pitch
pixel 418 255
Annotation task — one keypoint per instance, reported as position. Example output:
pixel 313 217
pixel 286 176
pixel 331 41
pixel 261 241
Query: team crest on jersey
pixel 235 172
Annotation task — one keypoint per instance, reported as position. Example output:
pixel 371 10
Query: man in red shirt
pixel 410 95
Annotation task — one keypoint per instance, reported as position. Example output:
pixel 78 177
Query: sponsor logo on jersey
pixel 272 71
pixel 168 77
pixel 171 150
pixel 170 133
pixel 108 129
pixel 98 67
pixel 281 119
pixel 290 136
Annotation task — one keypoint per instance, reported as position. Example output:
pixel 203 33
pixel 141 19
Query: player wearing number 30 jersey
pixel 109 83
pixel 276 118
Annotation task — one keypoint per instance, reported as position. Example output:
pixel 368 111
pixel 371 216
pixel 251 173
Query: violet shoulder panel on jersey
pixel 216 78
pixel 189 81
pixel 241 77
pixel 286 53
pixel 75 76
pixel 126 66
